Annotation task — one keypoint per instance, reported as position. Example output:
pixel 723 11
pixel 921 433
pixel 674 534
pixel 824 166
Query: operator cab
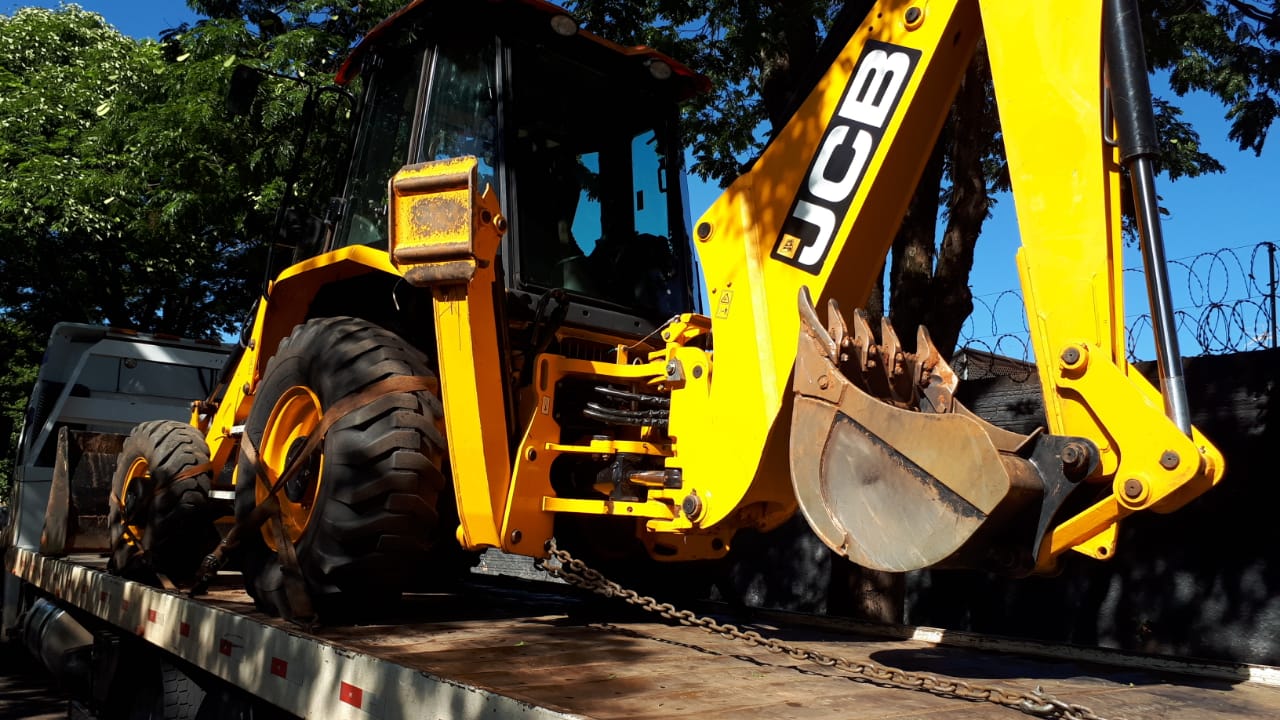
pixel 577 136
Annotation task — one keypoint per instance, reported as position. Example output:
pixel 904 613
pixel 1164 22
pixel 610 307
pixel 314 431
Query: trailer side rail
pixel 298 673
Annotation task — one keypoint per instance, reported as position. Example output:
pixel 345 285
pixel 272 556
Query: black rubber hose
pixel 1130 90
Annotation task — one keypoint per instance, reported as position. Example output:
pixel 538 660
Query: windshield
pixel 594 167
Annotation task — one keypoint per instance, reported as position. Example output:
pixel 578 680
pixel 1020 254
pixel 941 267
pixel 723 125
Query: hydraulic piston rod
pixel 1139 150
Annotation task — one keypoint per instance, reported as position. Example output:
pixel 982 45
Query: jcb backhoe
pixel 503 324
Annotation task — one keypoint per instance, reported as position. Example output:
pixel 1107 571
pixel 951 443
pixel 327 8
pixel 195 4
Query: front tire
pixel 158 523
pixel 362 512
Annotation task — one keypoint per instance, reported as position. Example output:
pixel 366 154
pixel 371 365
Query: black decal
pixel 839 164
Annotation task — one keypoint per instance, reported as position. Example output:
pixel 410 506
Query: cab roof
pixel 691 82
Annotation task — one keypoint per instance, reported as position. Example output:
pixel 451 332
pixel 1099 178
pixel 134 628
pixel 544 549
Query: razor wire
pixel 1225 302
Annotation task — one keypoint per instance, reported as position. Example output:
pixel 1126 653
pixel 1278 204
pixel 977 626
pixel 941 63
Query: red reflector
pixel 184 629
pixel 279 667
pixel 151 616
pixel 224 647
pixel 350 694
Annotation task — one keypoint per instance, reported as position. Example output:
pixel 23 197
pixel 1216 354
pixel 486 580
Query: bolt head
pixel 1071 355
pixel 704 230
pixel 1169 460
pixel 1075 460
pixel 1133 488
pixel 824 382
pixel 913 15
pixel 671 367
pixel 516 537
pixel 691 505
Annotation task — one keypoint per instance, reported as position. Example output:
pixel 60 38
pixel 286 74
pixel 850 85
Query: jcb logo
pixel 850 141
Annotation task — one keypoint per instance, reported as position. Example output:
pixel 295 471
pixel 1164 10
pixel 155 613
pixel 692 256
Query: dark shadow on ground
pixel 26 690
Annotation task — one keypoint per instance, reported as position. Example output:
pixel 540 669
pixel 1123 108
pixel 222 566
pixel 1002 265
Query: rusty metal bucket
pixel 910 479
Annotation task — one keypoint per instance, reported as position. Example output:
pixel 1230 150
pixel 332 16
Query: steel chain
pixel 1037 703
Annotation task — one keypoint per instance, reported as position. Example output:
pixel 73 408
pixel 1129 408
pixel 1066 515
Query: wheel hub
pixel 294 418
pixel 138 475
pixel 301 487
pixel 132 497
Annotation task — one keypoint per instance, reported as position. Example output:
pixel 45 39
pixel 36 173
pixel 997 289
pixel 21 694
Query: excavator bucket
pixel 892 473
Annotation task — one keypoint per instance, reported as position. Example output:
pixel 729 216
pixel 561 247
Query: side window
pixel 587 220
pixel 382 148
pixel 462 114
pixel 649 168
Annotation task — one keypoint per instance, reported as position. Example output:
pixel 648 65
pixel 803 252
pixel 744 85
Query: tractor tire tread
pixel 173 514
pixel 362 533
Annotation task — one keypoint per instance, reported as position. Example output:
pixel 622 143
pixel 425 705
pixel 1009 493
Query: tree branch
pixel 1253 12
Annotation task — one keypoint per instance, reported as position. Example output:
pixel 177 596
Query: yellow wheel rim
pixel 294 418
pixel 139 472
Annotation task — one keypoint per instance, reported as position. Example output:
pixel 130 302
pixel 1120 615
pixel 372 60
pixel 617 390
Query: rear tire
pixel 364 514
pixel 171 530
pixel 162 691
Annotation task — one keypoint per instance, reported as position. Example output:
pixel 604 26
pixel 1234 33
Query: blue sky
pixel 1235 209
pixel 137 18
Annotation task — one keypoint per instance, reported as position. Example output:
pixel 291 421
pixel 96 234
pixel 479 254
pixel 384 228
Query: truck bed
pixel 534 650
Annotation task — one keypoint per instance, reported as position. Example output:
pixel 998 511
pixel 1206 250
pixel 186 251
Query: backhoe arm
pixel 1068 202
pixel 889 470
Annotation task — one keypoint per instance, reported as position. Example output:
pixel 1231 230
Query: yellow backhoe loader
pixel 501 337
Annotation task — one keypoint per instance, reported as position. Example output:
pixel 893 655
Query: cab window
pixel 595 213
pixel 381 149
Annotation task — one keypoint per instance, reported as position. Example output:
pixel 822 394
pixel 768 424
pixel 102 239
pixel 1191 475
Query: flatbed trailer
pixel 497 648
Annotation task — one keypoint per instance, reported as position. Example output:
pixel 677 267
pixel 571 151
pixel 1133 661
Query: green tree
pixel 1228 48
pixel 128 195
pixel 58 232
pixel 58 71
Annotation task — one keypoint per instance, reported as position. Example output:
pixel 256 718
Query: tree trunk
pixel 912 263
pixel 929 283
pixel 973 120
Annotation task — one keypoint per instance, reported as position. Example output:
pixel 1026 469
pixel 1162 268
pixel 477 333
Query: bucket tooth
pixel 812 326
pixel 836 328
pixel 935 377
pixel 917 362
pixel 926 353
pixel 901 387
pixel 871 374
